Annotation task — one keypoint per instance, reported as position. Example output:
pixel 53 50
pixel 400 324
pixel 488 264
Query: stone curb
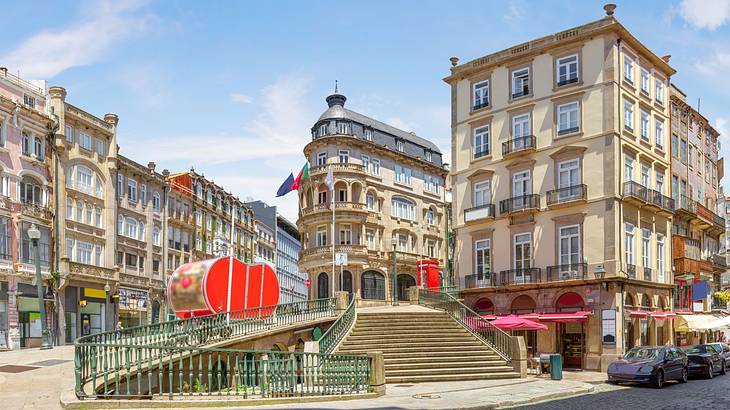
pixel 69 400
pixel 546 397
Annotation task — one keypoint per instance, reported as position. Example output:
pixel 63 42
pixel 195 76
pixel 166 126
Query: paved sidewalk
pixel 41 387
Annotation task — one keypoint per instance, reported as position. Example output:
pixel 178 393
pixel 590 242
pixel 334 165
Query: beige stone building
pixel 84 166
pixel 561 189
pixel 388 199
pixel 141 225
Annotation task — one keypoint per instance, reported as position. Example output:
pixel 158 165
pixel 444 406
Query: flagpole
pixel 333 231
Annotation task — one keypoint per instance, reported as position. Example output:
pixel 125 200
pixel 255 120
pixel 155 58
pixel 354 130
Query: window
pixel 322 197
pixel 79 211
pixel 482 193
pixel 629 245
pixel 628 168
pixel 659 90
pixel 156 202
pixel 344 156
pixel 431 183
pixel 29 100
pixel 645 79
pixel 98 259
pixel 89 214
pixel 429 156
pixel 131 260
pixel 628 69
pixel 520 129
pixel 481 94
pixel 27 143
pixel 345 234
pixel 321 158
pixel 399 145
pixel 431 248
pixel 141 231
pixel 403 208
pixel 370 238
pixel 69 134
pixel 370 202
pixel 522 254
pixel 690 161
pixel 629 115
pixel 32 192
pixel 143 194
pixel 521 188
pixel 70 248
pixel 567 70
pixel 368 133
pixel 101 148
pixel 659 133
pixel 322 129
pixel 83 252
pixel 645 253
pixel 375 164
pixel 645 175
pixel 39 148
pixel 132 190
pixel 322 236
pixel 568 178
pixel 430 218
pixel 482 256
pixel 120 185
pixel 402 174
pixel 365 162
pixel 98 216
pixel 481 141
pixel 69 208
pixel 131 227
pixel 644 125
pixel 344 128
pixel 568 118
pixel 85 140
pixel 675 146
pixel 521 82
pixel 659 182
pixel 569 247
pixel 660 257
pixel 402 242
pixel 683 151
pixel 342 195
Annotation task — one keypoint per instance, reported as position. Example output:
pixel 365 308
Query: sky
pixel 232 88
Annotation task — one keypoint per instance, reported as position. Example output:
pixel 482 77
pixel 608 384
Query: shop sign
pixel 608 326
pixel 94 293
pixel 130 299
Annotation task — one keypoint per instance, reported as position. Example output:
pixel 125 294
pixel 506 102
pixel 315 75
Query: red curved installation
pixel 201 288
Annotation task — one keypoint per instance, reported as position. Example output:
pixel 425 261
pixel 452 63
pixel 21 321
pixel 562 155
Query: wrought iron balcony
pixel 636 190
pixel 480 105
pixel 631 271
pixel 567 272
pixel 520 276
pixel 519 144
pixel 480 280
pixel 568 81
pixel 337 167
pixel 479 212
pixel 648 274
pixel 520 203
pixel 567 194
pixel 663 202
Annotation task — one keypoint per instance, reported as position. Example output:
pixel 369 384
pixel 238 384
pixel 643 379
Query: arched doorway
pixel 346 281
pixel 155 312
pixel 571 332
pixel 372 285
pixel 522 304
pixel 644 321
pixel 323 286
pixel 484 306
pixel 405 282
pixel 629 304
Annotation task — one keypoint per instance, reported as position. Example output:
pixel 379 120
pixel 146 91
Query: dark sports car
pixel 650 364
pixel 705 360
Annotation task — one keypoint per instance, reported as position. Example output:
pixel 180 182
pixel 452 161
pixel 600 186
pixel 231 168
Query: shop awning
pixel 514 322
pixel 693 323
pixel 580 316
pixel 719 324
pixel 530 316
pixel 489 317
pixel 642 314
pixel 662 315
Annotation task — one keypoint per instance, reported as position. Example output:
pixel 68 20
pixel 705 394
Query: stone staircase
pixel 424 346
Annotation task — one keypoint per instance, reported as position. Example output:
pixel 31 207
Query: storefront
pixel 133 307
pixel 690 329
pixel 92 311
pixel 4 324
pixel 29 316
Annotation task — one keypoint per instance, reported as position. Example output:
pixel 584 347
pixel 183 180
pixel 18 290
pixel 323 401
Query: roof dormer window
pixel 368 133
pixel 400 145
pixel 344 128
pixel 428 156
pixel 323 129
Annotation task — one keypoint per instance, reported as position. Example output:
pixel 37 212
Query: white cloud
pixel 722 125
pixel 719 64
pixel 514 12
pixel 241 98
pixel 84 42
pixel 709 14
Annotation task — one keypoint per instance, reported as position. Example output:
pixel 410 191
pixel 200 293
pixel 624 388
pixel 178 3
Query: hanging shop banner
pixel 132 299
pixel 608 326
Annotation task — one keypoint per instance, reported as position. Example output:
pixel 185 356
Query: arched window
pixel 523 304
pixel 346 281
pixel 156 204
pixel 323 286
pixel 209 196
pixel 82 178
pixel 156 236
pixel 69 208
pixel 131 228
pixel 373 285
pixel 141 231
pixel 370 202
pixel 120 225
pixel 569 302
pixel 430 217
pixel 32 191
pixel 403 208
pixel 39 148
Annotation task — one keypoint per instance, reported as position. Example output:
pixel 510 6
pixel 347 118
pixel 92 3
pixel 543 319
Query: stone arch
pixel 646 302
pixel 323 285
pixel 569 302
pixel 356 189
pixel 33 174
pixel 372 195
pixel 88 164
pixel 484 306
pixel 372 285
pixel 322 188
pixel 279 347
pixel 346 284
pixel 629 300
pixel 523 304
pixel 341 186
pixel 405 281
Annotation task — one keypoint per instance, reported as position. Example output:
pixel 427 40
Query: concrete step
pixel 476 353
pixel 481 364
pixel 464 358
pixel 447 371
pixel 451 377
pixel 455 344
pixel 424 337
pixel 434 350
pixel 446 327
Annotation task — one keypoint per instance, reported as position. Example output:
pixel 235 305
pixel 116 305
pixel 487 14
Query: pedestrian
pixel 119 326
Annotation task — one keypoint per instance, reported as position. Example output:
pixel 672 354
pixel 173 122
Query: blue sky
pixel 233 87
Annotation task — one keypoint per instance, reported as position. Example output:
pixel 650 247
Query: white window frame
pixel 571 112
pixel 375 163
pixel 645 120
pixel 645 82
pixel 659 90
pixel 403 208
pixel 660 249
pixel 344 156
pixel 570 61
pixel 85 141
pixel 321 158
pixel 629 244
pixel 659 133
pixel 101 147
pixel 482 193
pixel 520 79
pixel 564 234
pixel 629 68
pixel 521 239
pixel 131 190
pixel 645 248
pixel 629 115
pixel 480 91
pixel 484 246
pixel 156 202
pixel 480 142
pixel 69 130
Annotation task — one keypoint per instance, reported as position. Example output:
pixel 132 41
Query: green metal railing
pixel 137 372
pixel 491 335
pixel 338 330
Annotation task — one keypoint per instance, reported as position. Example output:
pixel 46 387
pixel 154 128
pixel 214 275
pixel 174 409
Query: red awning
pixel 530 316
pixel 662 315
pixel 580 316
pixel 489 317
pixel 638 313
pixel 514 322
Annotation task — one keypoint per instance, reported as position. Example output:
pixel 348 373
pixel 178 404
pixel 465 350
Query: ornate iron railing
pixel 338 330
pixel 489 334
pixel 519 144
pixel 567 272
pixel 520 276
pixel 480 280
pixel 567 194
pixel 143 371
pixel 519 203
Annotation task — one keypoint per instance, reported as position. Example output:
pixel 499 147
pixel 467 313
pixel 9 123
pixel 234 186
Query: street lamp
pixel 395 279
pixel 107 288
pixel 35 234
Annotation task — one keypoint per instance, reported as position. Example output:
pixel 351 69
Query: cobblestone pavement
pixel 697 394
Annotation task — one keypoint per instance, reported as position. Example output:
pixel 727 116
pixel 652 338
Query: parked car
pixel 650 364
pixel 705 360
pixel 724 350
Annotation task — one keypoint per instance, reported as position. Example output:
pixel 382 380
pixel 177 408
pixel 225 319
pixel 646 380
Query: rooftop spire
pixel 336 88
pixel 336 98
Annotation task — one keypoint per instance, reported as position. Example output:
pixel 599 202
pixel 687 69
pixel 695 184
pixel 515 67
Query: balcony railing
pixel 519 144
pixel 519 203
pixel 336 167
pixel 636 190
pixel 479 212
pixel 648 274
pixel 631 271
pixel 480 105
pixel 480 280
pixel 662 201
pixel 567 194
pixel 568 81
pixel 520 276
pixel 686 204
pixel 567 272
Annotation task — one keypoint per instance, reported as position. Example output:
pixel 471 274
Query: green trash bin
pixel 556 367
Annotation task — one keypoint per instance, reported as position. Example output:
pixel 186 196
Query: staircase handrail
pixel 339 329
pixel 491 335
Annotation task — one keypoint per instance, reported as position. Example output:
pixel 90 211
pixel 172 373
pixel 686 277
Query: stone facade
pixel 388 188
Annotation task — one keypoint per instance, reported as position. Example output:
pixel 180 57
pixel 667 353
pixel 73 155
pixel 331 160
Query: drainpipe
pixel 55 282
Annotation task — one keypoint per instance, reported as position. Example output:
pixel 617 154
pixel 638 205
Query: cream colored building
pixel 84 166
pixel 561 189
pixel 388 196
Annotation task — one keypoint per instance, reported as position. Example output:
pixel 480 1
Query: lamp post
pixel 35 235
pixel 395 279
pixel 107 289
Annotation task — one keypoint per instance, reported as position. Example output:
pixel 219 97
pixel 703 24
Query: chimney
pixel 151 166
pixel 666 58
pixel 57 92
pixel 454 61
pixel 609 8
pixel 111 119
pixel 4 71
